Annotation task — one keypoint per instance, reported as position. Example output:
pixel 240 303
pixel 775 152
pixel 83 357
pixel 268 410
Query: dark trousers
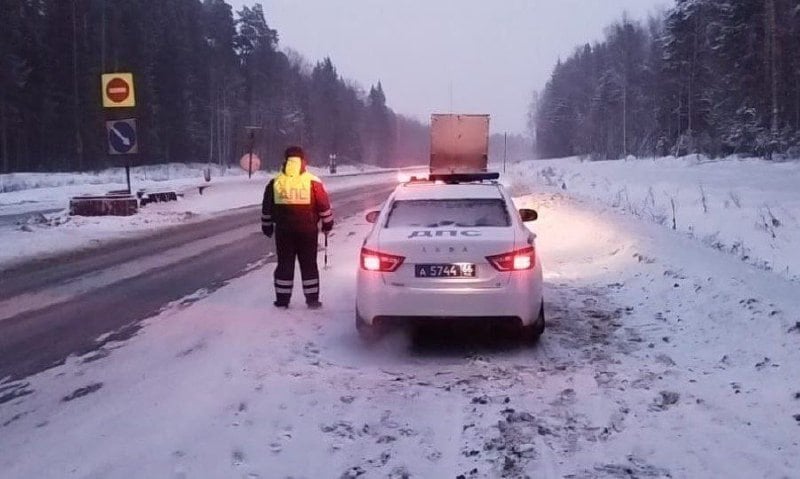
pixel 301 247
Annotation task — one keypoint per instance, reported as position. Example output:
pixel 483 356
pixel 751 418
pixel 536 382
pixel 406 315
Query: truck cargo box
pixel 459 143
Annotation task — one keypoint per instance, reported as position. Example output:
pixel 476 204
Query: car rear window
pixel 465 213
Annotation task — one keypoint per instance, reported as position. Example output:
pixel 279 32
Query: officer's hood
pixel 294 166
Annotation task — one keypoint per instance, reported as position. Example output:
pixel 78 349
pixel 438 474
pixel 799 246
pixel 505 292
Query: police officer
pixel 295 202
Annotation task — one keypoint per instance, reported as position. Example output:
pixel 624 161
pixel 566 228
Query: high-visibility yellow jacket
pixel 296 200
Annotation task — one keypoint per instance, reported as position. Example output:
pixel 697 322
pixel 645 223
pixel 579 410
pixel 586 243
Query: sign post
pixel 250 156
pixel 117 90
pixel 332 163
pixel 122 140
pixel 251 136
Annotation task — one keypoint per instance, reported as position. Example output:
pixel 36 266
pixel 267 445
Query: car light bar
pixel 519 260
pixel 376 261
pixel 456 178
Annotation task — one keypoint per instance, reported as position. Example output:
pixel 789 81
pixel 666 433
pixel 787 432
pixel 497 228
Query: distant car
pixel 453 248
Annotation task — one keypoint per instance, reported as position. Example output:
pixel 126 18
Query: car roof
pixel 439 191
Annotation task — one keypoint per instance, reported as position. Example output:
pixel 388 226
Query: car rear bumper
pixel 521 298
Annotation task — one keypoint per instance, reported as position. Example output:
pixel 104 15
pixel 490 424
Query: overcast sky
pixel 494 53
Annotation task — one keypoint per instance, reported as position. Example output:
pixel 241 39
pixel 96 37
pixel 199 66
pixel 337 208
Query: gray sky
pixel 494 52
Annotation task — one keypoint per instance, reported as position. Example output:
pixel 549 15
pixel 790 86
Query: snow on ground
pixel 39 234
pixel 747 207
pixel 662 358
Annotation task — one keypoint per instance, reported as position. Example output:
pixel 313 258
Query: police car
pixel 453 246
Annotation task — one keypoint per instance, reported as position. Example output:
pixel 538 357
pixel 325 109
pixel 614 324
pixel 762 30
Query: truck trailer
pixel 459 143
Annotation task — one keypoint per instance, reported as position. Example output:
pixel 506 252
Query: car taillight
pixel 519 260
pixel 377 261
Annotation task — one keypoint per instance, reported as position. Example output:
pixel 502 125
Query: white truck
pixel 459 143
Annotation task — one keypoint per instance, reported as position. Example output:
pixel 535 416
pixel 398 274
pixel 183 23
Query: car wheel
pixel 533 332
pixel 367 332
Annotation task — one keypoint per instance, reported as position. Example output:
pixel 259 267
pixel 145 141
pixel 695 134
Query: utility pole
pixel 505 150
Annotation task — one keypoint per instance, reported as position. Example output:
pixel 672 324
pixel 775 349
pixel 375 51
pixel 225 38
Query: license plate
pixel 460 270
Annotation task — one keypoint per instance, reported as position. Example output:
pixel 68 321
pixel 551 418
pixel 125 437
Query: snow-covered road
pixel 662 358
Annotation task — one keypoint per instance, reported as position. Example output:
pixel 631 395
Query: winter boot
pixel 314 304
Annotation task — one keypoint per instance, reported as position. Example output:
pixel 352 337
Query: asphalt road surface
pixel 75 303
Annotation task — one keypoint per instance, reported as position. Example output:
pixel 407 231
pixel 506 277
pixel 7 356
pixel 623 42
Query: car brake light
pixel 377 261
pixel 518 260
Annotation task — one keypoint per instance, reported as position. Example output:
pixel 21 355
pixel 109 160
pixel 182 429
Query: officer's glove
pixel 327 227
pixel 268 230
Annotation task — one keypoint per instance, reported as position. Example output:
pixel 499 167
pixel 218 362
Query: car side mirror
pixel 528 215
pixel 372 216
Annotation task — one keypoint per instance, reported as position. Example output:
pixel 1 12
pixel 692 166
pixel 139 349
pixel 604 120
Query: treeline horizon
pixel 202 75
pixel 715 77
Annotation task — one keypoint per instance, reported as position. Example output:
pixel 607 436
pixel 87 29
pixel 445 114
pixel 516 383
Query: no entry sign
pixel 118 90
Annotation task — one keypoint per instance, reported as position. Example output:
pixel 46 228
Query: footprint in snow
pixel 380 461
pixel 635 467
pixel 310 349
pixel 565 397
pixel 434 456
pixel 765 363
pixel 353 473
pixel 665 360
pixel 399 472
pixel 237 457
pixel 665 400
pixel 618 419
pixel 285 436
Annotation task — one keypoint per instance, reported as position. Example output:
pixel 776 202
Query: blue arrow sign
pixel 122 137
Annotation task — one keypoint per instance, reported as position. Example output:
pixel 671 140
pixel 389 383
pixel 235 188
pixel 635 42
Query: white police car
pixel 451 247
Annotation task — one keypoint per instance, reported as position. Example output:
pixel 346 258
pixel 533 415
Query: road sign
pixel 250 163
pixel 122 137
pixel 118 91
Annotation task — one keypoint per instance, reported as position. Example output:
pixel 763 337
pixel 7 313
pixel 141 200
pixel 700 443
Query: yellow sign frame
pixel 129 102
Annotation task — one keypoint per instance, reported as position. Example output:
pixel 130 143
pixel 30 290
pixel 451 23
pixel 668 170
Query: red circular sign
pixel 246 163
pixel 118 90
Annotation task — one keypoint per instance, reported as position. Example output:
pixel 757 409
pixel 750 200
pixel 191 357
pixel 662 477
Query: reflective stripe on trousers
pixel 300 247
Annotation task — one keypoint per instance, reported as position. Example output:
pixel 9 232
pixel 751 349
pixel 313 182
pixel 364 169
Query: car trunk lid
pixel 446 246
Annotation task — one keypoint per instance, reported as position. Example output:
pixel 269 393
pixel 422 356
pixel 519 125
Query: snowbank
pixel 746 207
pixel 149 175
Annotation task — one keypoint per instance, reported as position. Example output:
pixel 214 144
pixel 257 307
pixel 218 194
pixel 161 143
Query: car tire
pixel 533 332
pixel 367 332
